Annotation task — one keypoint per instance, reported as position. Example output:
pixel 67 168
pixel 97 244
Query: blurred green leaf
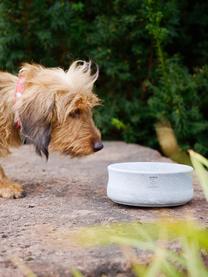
pixel 199 162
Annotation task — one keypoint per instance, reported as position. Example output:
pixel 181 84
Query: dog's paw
pixel 11 190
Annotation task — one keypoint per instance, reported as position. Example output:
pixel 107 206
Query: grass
pixel 200 164
pixel 157 240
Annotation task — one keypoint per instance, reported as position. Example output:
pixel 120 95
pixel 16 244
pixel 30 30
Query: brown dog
pixel 49 108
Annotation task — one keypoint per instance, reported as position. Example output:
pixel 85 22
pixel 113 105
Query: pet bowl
pixel 150 184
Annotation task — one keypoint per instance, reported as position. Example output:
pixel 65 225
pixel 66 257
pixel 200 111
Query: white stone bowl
pixel 150 184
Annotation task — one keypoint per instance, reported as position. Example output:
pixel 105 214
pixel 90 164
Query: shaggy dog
pixel 49 108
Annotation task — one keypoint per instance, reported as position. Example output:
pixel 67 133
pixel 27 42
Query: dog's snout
pixel 98 146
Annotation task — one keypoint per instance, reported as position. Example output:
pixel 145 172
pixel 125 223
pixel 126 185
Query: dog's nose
pixel 97 146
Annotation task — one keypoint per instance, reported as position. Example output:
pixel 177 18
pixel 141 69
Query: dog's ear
pixel 35 111
pixel 68 103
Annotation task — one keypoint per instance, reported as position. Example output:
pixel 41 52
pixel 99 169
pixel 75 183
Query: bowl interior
pixel 150 167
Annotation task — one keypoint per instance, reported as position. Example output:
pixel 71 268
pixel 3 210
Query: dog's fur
pixel 55 112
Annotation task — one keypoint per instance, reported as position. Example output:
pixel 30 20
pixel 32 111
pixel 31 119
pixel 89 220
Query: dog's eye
pixel 76 113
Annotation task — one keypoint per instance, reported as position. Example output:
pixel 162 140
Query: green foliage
pixel 176 92
pixel 135 45
pixel 154 239
pixel 177 99
pixel 76 273
pixel 201 167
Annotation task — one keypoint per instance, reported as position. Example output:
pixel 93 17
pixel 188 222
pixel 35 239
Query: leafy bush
pixel 134 42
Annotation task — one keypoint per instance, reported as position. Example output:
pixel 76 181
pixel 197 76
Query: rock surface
pixel 64 194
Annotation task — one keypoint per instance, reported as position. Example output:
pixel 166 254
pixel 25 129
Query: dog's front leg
pixel 9 189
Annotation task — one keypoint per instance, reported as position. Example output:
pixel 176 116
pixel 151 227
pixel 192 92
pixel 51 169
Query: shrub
pixel 122 37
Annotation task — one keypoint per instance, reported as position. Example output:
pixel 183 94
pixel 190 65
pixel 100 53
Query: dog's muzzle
pixel 98 146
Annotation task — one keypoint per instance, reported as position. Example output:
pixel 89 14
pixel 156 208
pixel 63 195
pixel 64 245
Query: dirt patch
pixel 64 194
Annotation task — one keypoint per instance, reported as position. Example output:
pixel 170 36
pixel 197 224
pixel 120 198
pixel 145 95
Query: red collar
pixel 18 93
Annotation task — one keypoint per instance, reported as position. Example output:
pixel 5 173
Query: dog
pixel 49 108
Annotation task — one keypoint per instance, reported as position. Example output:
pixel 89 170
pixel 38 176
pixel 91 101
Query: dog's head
pixel 55 109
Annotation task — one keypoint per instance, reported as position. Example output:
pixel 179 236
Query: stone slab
pixel 64 194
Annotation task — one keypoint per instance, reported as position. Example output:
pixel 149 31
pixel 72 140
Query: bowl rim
pixel 182 168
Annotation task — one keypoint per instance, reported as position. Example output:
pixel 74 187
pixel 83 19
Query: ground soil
pixel 64 194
